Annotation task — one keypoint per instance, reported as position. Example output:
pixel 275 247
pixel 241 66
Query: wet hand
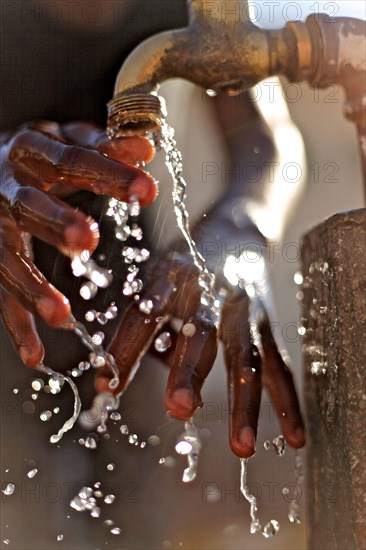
pixel 252 356
pixel 41 162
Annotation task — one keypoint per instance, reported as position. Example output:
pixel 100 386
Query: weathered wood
pixel 334 347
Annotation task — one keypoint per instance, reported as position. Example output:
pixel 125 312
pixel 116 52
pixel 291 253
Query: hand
pixel 251 354
pixel 40 162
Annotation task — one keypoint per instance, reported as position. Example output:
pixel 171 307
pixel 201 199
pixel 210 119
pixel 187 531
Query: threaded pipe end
pixel 135 114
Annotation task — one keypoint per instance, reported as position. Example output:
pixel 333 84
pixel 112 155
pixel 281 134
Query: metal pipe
pixel 322 51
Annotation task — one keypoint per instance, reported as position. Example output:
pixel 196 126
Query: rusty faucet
pixel 224 51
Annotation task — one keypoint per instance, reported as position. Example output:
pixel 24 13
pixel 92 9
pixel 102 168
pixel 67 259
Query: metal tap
pixel 221 49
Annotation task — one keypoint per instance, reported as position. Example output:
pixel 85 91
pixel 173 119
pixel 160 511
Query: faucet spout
pixel 246 56
pixel 322 51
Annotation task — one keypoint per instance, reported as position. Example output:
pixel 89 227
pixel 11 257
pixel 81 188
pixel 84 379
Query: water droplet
pixel 211 93
pixel 81 441
pixel 267 445
pixel 161 460
pixel 134 207
pixel 109 499
pixel 98 494
pixel 111 312
pixel 76 373
pixel 45 416
pixel 96 360
pixel 300 295
pixel 279 445
pixel 32 473
pixel 154 440
pixel 285 491
pixel 98 338
pixel 102 318
pixel 183 447
pixel 294 514
pixel 90 315
pixel 318 368
pixel 85 492
pixel 301 331
pixel 88 290
pixel 15 391
pixel 34 396
pixel 84 365
pixel 95 512
pixel 271 529
pixel 163 342
pixel 136 232
pixel 60 537
pixel 9 489
pixel 102 428
pixel 189 330
pixel 132 439
pixel 146 306
pixel 90 443
pixel 6 541
pixel 116 531
pixel 124 429
pixel 108 522
pixel 115 416
pixel 298 278
pixel 37 384
pixel 111 466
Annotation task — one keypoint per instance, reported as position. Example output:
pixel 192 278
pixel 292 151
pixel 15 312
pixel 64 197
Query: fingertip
pixel 81 235
pixel 243 445
pixel 32 354
pixel 54 310
pixel 296 438
pixel 145 188
pixel 129 149
pixel 180 404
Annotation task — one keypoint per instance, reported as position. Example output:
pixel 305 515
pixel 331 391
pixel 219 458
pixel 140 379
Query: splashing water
pixel 255 526
pixel 270 529
pixel 173 160
pixel 99 357
pixel 279 445
pixel 189 444
pixel 9 489
pixel 163 342
pixel 293 509
pixel 77 403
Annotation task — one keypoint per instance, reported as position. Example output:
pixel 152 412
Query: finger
pixel 54 221
pixel 195 353
pixel 278 379
pixel 22 330
pixel 243 365
pixel 54 162
pixel 131 150
pixel 138 327
pixel 20 278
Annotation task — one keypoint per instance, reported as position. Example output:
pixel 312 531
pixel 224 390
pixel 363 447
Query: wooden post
pixel 334 351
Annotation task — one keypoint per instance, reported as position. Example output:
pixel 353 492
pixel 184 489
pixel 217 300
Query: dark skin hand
pixel 38 162
pixel 252 360
pixel 173 287
pixel 174 292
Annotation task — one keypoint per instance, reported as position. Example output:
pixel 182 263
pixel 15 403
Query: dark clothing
pixel 52 70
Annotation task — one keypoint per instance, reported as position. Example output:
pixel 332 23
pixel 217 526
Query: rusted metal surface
pixel 334 315
pixel 224 51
